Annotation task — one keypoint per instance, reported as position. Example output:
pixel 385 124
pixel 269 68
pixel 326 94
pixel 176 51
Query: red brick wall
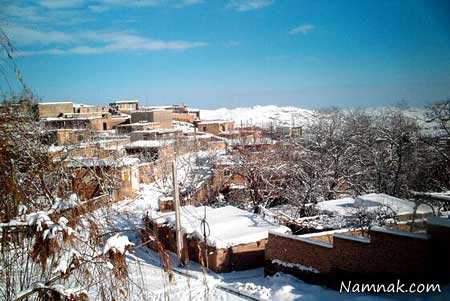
pixel 385 253
pixel 297 251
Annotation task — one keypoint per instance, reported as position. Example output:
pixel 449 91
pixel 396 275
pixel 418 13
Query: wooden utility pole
pixel 205 240
pixel 176 199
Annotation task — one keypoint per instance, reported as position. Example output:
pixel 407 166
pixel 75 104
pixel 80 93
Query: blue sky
pixel 233 52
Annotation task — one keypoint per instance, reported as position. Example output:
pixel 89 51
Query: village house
pixel 65 136
pixel 163 117
pixel 151 150
pixel 215 127
pixel 155 134
pixel 93 121
pixel 183 113
pixel 137 126
pixel 382 254
pixel 54 109
pixel 88 109
pixel 125 105
pixel 236 239
pixel 123 173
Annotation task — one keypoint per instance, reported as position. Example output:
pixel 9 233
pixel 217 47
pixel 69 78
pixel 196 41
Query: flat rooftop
pixel 373 201
pixel 229 226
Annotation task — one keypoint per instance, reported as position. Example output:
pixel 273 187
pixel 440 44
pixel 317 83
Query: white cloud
pixel 302 29
pixel 246 5
pixel 37 13
pixel 29 36
pixel 104 5
pixel 90 42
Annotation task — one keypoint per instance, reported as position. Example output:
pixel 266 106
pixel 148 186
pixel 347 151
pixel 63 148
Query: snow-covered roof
pixel 149 143
pixel 229 226
pixel 347 206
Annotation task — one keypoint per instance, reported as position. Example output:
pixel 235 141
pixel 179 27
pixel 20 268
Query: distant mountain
pixel 287 116
pixel 261 115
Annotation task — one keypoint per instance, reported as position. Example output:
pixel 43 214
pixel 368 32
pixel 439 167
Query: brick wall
pixel 307 253
pixel 388 253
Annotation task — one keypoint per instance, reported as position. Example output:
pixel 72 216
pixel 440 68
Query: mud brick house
pixel 215 127
pixel 163 117
pixel 125 105
pixel 151 150
pixel 186 117
pixel 89 109
pixel 137 126
pixel 96 122
pixel 382 255
pixel 236 239
pixel 155 134
pixel 182 113
pixel 123 174
pixel 66 136
pixel 54 109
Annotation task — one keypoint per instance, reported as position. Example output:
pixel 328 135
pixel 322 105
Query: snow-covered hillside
pixel 286 116
pixel 261 115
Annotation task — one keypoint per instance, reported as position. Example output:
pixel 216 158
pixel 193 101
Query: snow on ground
pixel 150 282
pixel 189 283
pixel 261 115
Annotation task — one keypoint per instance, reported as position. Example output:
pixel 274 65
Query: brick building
pixel 236 238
